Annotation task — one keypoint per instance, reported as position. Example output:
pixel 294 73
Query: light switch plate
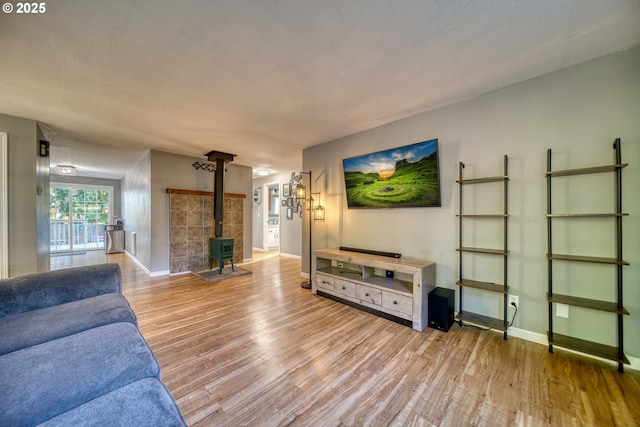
pixel 562 310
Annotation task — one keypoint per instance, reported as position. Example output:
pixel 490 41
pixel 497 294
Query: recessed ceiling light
pixel 66 170
pixel 262 172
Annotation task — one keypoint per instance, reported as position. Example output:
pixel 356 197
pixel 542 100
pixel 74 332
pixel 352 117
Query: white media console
pixel 395 288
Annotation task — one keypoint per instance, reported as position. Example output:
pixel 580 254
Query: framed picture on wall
pixel 283 202
pixel 286 190
pixel 289 213
pixel 290 202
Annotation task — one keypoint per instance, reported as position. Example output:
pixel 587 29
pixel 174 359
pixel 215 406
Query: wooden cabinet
pixel 394 288
pixel 501 290
pixel 577 296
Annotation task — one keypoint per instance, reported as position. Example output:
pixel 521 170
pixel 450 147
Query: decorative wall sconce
pixel 209 167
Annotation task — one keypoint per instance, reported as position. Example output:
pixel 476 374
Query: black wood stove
pixel 220 249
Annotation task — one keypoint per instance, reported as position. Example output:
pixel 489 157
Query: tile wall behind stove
pixel 191 225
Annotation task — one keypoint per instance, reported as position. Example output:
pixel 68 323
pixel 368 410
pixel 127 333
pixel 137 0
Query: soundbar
pixel 370 252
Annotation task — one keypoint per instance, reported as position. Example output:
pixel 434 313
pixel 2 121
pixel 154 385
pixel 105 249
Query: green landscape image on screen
pixel 399 177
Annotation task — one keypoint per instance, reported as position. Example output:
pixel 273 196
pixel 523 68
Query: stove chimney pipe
pixel 218 192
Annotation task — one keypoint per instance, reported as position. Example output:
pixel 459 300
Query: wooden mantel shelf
pixel 203 193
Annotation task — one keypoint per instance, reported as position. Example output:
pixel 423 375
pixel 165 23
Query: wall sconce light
pixel 44 148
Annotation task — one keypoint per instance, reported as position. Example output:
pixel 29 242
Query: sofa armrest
pixel 41 290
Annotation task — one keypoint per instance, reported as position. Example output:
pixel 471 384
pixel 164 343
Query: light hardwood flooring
pixel 259 350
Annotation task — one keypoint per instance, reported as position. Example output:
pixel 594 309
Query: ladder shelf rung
pixel 482 320
pixel 485 286
pixel 608 306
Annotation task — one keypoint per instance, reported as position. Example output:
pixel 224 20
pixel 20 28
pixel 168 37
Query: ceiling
pixel 109 80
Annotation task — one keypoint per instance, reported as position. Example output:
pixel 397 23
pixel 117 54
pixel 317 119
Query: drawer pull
pixel 344 287
pixel 366 295
pixel 395 302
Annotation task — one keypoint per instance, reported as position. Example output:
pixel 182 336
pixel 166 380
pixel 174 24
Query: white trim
pixel 286 255
pixel 542 339
pixel 160 273
pixel 4 207
pixel 138 263
pixel 528 335
pixel 535 337
pixel 146 270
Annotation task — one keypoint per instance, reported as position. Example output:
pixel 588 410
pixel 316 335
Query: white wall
pixel 577 112
pixel 136 210
pixel 28 250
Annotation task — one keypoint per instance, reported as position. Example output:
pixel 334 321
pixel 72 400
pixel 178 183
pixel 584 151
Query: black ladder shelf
pixel 498 323
pixel 615 353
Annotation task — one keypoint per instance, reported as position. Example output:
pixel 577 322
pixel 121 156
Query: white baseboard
pixel 160 273
pixel 182 273
pixel 528 335
pixel 145 269
pixel 535 337
pixel 286 255
pixel 542 339
pixel 138 263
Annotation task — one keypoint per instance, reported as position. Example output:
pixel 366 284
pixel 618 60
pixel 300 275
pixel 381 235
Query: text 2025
pixel 31 7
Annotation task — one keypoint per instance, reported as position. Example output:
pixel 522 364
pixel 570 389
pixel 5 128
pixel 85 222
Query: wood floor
pixel 259 350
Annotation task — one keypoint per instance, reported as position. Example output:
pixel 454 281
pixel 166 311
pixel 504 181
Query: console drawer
pixel 397 302
pixel 370 295
pixel 324 282
pixel 345 288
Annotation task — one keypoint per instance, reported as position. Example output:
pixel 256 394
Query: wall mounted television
pixel 406 176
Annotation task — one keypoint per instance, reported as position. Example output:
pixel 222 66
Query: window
pixel 77 216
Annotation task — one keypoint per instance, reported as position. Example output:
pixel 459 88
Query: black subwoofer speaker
pixel 441 302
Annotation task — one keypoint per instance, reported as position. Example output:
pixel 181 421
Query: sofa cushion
pixel 41 290
pixel 143 403
pixel 45 380
pixel 39 326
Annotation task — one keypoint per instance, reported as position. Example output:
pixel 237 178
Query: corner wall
pixel 145 202
pixel 577 112
pixel 136 210
pixel 25 213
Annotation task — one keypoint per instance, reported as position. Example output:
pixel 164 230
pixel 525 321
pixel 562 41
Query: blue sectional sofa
pixel 71 354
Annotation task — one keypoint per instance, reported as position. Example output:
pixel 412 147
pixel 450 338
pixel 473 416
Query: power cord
pixel 513 304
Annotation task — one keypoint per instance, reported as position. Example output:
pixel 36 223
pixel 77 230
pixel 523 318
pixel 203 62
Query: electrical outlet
pixel 513 299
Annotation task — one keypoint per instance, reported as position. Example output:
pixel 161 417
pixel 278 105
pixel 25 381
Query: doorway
pixel 271 211
pixel 78 215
